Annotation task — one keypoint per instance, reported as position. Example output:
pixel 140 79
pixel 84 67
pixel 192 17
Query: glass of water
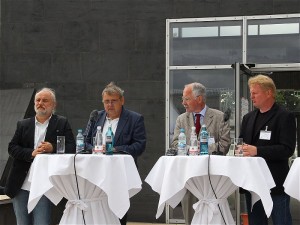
pixel 237 144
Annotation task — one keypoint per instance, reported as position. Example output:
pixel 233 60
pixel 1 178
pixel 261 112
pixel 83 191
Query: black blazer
pixel 130 136
pixel 21 147
pixel 281 145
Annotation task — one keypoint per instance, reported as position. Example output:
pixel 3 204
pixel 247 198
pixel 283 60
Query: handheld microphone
pixel 226 117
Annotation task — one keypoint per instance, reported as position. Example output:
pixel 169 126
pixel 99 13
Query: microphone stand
pixel 93 117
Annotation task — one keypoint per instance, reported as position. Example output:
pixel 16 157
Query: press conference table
pixel 172 176
pixel 106 183
pixel 292 181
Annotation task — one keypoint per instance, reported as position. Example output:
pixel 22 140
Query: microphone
pixel 92 120
pixel 226 117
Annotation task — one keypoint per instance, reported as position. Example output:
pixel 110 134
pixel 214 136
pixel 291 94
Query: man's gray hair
pixel 50 90
pixel 199 90
pixel 111 89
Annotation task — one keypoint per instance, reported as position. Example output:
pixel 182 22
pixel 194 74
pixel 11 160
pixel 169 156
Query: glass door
pixel 288 95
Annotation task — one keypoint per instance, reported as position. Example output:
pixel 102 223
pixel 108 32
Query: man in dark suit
pixel 128 126
pixel 269 132
pixel 34 136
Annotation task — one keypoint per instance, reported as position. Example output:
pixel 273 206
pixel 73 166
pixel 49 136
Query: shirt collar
pixel 202 112
pixel 46 121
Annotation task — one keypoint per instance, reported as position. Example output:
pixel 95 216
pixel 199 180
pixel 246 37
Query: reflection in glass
pixel 286 28
pixel 203 43
pixel 199 32
pixel 230 30
pixel 219 90
pixel 273 41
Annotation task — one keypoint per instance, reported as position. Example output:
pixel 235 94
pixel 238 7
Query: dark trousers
pixel 280 215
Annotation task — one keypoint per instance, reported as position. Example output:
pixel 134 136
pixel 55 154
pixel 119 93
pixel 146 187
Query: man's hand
pixel 249 150
pixel 44 147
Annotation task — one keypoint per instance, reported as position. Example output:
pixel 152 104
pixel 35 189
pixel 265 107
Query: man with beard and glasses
pixel 34 136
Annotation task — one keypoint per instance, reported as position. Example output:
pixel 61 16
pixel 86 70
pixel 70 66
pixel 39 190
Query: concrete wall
pixel 78 46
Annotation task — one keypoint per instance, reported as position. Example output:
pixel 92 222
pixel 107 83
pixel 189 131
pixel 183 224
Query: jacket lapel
pixel 121 124
pixel 51 128
pixel 208 118
pixel 30 132
pixel 190 123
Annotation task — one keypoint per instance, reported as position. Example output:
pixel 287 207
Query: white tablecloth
pixel 171 176
pixel 105 184
pixel 292 181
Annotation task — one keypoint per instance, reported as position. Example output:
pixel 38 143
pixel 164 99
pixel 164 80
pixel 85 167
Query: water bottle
pixel 98 147
pixel 193 150
pixel 109 141
pixel 181 148
pixel 203 141
pixel 79 141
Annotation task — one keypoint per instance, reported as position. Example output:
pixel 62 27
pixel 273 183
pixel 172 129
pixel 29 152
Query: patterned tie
pixel 198 124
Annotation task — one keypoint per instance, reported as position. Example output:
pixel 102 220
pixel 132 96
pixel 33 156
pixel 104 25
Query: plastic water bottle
pixel 98 147
pixel 194 143
pixel 203 141
pixel 181 148
pixel 109 141
pixel 79 141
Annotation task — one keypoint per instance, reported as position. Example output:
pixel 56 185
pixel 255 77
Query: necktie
pixel 197 124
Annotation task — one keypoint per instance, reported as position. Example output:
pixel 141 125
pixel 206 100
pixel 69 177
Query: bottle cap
pixel 79 130
pixel 98 127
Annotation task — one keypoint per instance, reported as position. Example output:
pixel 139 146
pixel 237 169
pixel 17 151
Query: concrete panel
pixel 42 37
pixel 81 36
pixel 147 66
pixel 143 89
pixel 117 35
pixel 22 11
pixel 62 10
pixel 31 67
pixel 12 41
pixel 66 67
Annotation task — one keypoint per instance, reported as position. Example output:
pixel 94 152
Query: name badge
pixel 265 135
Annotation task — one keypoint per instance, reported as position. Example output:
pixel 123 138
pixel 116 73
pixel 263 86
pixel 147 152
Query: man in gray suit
pixel 194 101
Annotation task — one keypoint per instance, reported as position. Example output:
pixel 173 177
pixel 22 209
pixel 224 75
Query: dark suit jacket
pixel 281 145
pixel 21 147
pixel 130 136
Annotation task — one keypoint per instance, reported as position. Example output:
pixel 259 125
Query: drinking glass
pixel 237 146
pixel 60 147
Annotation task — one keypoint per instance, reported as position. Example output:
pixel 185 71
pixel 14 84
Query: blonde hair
pixel 265 82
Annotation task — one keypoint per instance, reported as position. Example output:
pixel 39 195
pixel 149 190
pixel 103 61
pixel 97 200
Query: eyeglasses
pixel 186 99
pixel 112 102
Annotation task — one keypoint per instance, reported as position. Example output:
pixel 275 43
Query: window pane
pixel 273 41
pixel 219 88
pixel 205 43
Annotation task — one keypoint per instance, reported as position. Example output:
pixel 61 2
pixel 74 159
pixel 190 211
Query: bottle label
pixel 98 149
pixel 80 143
pixel 193 150
pixel 108 139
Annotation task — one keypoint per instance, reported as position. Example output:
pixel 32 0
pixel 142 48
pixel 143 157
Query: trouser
pixel 40 215
pixel 280 215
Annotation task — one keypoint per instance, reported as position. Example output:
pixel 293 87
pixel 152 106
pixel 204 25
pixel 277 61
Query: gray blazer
pixel 214 121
